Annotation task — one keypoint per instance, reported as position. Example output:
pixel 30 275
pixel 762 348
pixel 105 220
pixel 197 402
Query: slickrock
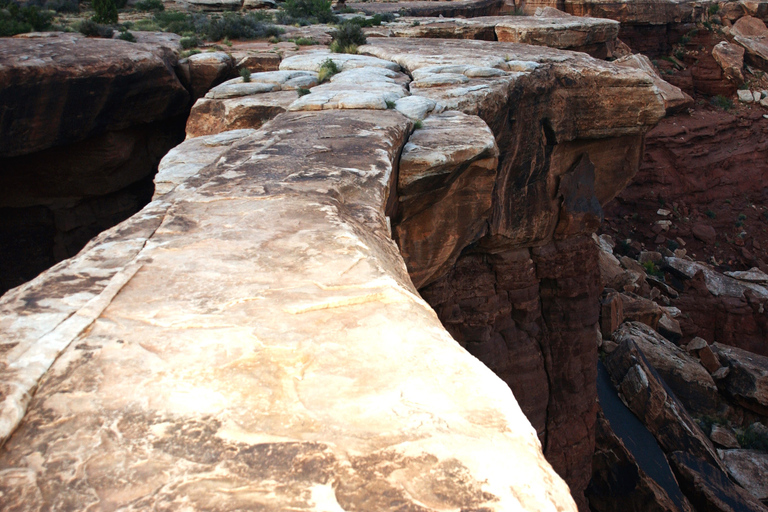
pixel 747 380
pixel 688 379
pixel 591 35
pixel 210 116
pixel 66 88
pixel 275 350
pixel 731 58
pixel 675 100
pixel 206 70
pixel 506 299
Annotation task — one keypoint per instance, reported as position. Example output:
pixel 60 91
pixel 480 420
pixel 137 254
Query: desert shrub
pixel 106 11
pixel 710 214
pixel 150 5
pixel 90 28
pixel 754 438
pixel 347 38
pixel 302 91
pixel 327 69
pixel 714 8
pixel 229 25
pixel 63 6
pixel 652 270
pixel 306 12
pixel 188 42
pixel 15 19
pixel 127 36
pixel 304 41
pixel 245 74
pixel 722 102
pixel 672 245
pixel 373 21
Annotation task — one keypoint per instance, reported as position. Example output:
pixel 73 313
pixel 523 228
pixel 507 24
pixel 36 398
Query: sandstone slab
pixel 207 70
pixel 748 468
pixel 752 34
pixel 674 99
pixel 731 58
pixel 747 380
pixel 209 116
pixel 260 324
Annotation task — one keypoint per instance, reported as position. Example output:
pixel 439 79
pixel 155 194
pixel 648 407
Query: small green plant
pixel 672 245
pixel 679 54
pixel 754 439
pixel 306 11
pixel 418 125
pixel 227 42
pixel 710 214
pixel 149 5
pixel 106 11
pixel 652 270
pixel 302 91
pixel 416 23
pixel 347 38
pixel 189 42
pixel 304 41
pixel 15 19
pixel 722 102
pixel 390 104
pixel 742 216
pixel 707 25
pixel 127 36
pixel 245 74
pixel 327 69
pixel 90 28
pixel 714 8
pixel 189 53
pixel 739 224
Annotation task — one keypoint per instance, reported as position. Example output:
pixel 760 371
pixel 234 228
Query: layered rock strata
pixel 141 294
pixel 83 125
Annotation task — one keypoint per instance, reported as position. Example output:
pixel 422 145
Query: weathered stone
pixel 731 58
pixel 417 108
pixel 753 275
pixel 709 488
pixel 313 61
pixel 207 70
pixel 704 232
pixel 696 344
pixel 675 100
pixel 618 483
pixel 639 309
pixel 65 88
pixel 611 313
pixel 669 328
pixel 748 468
pixel 260 62
pixel 260 311
pixel 191 156
pixel 445 190
pixel 745 96
pixel 723 436
pixel 709 360
pixel 682 373
pixel 751 33
pixel 209 116
pixel 660 411
pixel 747 381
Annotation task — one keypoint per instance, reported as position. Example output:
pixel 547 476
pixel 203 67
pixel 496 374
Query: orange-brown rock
pixel 747 380
pixel 209 116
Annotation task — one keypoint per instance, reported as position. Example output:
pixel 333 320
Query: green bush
pixel 754 438
pixel 347 38
pixel 150 5
pixel 722 102
pixel 229 25
pixel 15 19
pixel 710 214
pixel 245 74
pixel 90 28
pixel 302 91
pixel 106 11
pixel 327 69
pixel 305 12
pixel 127 36
pixel 189 42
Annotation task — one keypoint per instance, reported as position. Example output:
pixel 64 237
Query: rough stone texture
pixel 708 488
pixel 207 70
pixel 618 483
pixel 65 88
pixel 640 309
pixel 432 8
pixel 675 100
pixel 748 468
pixel 731 58
pixel 688 379
pixel 644 392
pixel 747 380
pixel 445 189
pixel 83 125
pixel 275 350
pixel 532 314
pixel 210 116
pixel 723 436
pixel 751 33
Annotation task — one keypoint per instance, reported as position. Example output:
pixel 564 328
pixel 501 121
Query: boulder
pixel 682 373
pixel 260 62
pixel 669 328
pixel 747 381
pixel 445 186
pixel 611 313
pixel 209 116
pixel 751 33
pixel 618 483
pixel 723 436
pixel 644 392
pixel 731 58
pixel 675 99
pixel 639 309
pixel 704 232
pixel 207 70
pixel 65 88
pixel 709 488
pixel 748 468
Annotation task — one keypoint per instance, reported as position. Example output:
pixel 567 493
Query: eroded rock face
pixel 83 123
pixel 747 380
pixel 261 261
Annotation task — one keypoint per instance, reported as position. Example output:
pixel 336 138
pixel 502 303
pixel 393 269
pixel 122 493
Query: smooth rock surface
pixel 674 99
pixel 275 350
pixel 209 116
pixel 752 34
pixel 731 58
pixel 748 468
